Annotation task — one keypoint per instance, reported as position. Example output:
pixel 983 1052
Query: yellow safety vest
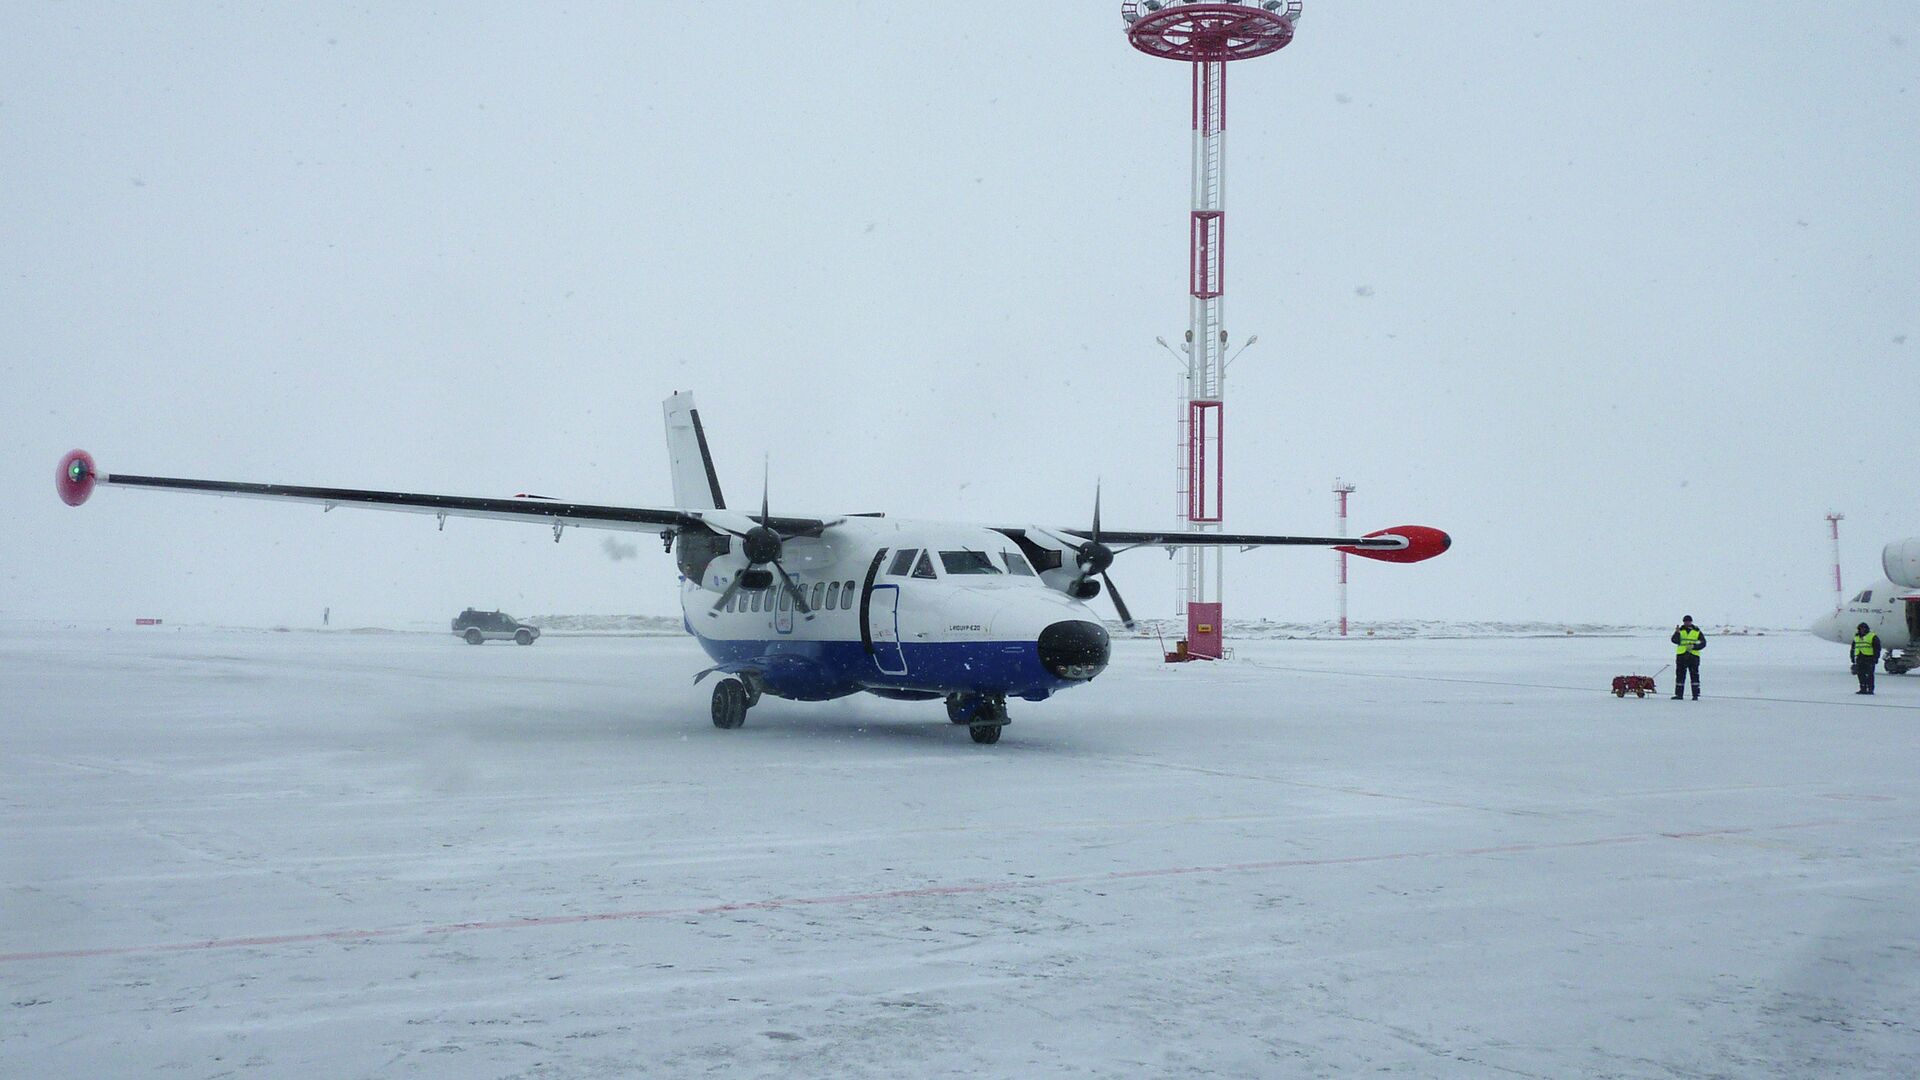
pixel 1864 644
pixel 1690 642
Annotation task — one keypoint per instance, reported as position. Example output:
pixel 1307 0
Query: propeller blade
pixel 1096 511
pixel 732 588
pixel 765 485
pixel 799 595
pixel 1119 605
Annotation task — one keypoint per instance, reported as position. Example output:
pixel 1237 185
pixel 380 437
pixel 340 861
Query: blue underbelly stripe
pixel 818 670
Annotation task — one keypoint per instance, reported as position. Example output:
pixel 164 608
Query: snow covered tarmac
pixel 247 853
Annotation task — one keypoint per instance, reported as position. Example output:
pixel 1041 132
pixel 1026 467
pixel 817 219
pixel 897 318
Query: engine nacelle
pixel 1052 558
pixel 1901 561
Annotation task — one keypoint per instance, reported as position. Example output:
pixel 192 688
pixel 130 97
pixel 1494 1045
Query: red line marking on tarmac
pixel 977 888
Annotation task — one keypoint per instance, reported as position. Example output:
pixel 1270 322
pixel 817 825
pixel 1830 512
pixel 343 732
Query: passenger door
pixel 883 612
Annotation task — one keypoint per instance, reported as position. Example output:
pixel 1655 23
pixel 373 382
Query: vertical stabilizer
pixel 695 485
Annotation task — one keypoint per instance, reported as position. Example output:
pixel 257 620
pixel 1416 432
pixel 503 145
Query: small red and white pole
pixel 1342 489
pixel 1833 529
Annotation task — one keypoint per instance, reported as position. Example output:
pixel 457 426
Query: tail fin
pixel 695 485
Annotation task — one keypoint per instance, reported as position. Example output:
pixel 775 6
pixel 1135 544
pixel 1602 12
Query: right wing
pixel 78 476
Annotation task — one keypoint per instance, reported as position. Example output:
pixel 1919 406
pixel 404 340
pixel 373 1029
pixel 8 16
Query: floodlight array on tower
pixel 1207 35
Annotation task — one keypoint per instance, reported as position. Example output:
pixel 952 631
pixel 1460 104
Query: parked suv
pixel 478 627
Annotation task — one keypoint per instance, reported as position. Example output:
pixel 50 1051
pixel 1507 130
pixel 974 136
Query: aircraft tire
pixel 474 637
pixel 729 704
pixel 958 711
pixel 985 734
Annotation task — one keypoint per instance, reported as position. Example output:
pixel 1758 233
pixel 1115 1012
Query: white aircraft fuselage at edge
pixel 819 608
pixel 1890 607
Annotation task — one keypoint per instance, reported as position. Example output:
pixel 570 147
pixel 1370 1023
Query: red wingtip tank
pixel 75 478
pixel 1423 543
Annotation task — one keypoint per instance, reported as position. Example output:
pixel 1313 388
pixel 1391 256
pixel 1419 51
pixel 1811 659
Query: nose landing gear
pixel 984 715
pixel 731 700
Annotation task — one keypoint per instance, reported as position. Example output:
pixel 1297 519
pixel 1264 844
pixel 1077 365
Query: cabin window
pixel 968 562
pixel 833 594
pixel 1017 564
pixel 786 600
pixel 819 590
pixel 760 600
pixel 902 562
pixel 846 596
pixel 924 568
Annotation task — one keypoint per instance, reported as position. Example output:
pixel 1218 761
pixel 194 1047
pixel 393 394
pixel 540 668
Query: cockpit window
pixel 924 568
pixel 967 562
pixel 1017 564
pixel 1864 598
pixel 902 562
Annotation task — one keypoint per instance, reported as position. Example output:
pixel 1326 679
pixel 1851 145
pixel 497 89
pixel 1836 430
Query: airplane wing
pixel 1405 543
pixel 78 476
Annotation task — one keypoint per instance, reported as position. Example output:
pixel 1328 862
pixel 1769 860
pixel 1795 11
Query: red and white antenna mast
pixel 1342 489
pixel 1208 36
pixel 1833 529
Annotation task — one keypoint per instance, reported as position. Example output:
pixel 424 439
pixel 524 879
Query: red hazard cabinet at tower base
pixel 1204 636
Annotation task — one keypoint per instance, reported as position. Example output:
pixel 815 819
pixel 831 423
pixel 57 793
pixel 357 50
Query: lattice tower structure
pixel 1207 36
pixel 1833 529
pixel 1342 489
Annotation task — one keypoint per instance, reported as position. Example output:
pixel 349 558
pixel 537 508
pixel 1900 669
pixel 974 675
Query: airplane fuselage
pixel 1883 607
pixel 898 608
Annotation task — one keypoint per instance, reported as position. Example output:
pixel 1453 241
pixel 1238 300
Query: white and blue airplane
pixel 1890 607
pixel 816 608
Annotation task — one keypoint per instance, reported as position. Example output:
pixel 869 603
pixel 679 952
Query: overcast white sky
pixel 1625 296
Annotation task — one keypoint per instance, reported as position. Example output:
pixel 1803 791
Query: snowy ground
pixel 256 854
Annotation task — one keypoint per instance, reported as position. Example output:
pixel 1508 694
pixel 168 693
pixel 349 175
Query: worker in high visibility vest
pixel 1866 654
pixel 1688 640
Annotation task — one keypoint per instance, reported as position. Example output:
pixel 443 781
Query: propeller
pixel 762 547
pixel 1093 558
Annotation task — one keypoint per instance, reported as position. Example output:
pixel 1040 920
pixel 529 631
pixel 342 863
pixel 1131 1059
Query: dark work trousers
pixel 1863 667
pixel 1684 665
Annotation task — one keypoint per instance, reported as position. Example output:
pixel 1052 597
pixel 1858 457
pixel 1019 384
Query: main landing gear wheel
pixel 474 637
pixel 985 734
pixel 729 704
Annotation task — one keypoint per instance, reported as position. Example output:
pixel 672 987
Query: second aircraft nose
pixel 1075 649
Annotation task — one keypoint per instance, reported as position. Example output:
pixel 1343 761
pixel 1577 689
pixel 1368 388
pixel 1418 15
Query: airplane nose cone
pixel 1076 649
pixel 1828 628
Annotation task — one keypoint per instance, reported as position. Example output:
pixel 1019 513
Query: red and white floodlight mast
pixel 1207 36
pixel 1342 489
pixel 1833 527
